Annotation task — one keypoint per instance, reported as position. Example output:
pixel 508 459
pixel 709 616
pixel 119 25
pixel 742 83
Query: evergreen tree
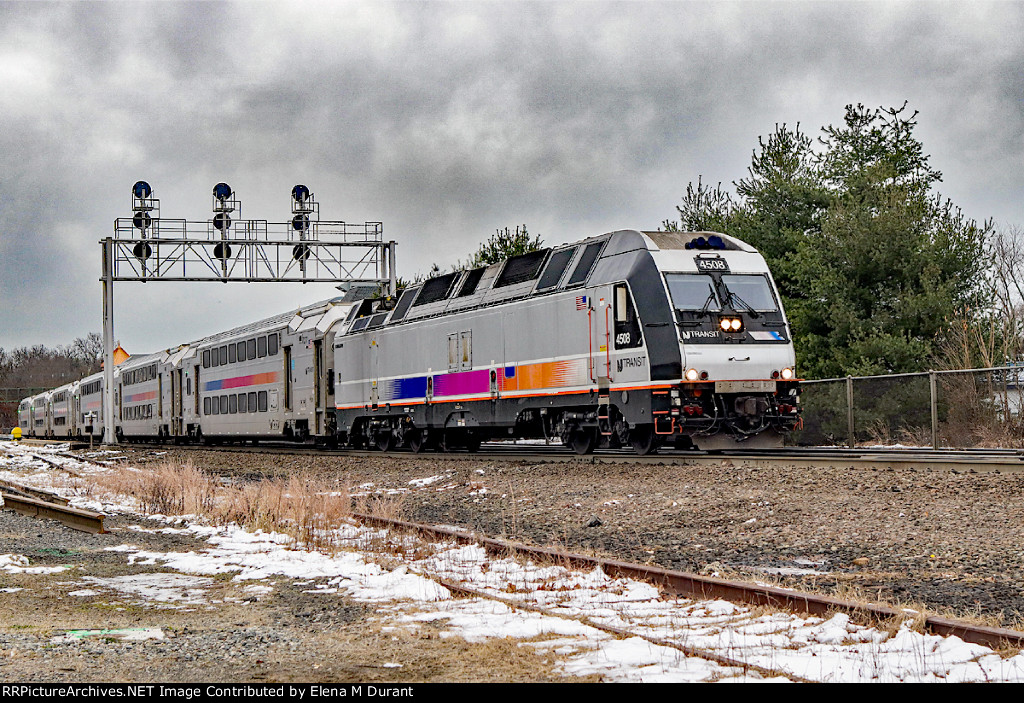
pixel 869 260
pixel 504 245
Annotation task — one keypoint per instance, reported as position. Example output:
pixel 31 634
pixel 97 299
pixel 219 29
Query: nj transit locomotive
pixel 630 338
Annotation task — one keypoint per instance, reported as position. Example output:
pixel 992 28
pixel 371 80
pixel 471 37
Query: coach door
pixel 195 396
pixel 177 376
pixel 318 386
pixel 287 355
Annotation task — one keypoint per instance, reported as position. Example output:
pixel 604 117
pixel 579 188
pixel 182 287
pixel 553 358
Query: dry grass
pixel 307 509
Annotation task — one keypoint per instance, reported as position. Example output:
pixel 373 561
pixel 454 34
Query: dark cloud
pixel 445 121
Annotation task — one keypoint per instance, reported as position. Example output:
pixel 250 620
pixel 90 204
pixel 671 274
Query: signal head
pixel 222 191
pixel 141 190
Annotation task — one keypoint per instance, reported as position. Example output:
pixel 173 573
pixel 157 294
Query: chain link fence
pixel 955 409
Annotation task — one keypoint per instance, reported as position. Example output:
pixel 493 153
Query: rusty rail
pixel 696 586
pixel 29 492
pixel 75 518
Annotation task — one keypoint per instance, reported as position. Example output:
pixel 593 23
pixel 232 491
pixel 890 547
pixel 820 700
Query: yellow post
pixel 16 434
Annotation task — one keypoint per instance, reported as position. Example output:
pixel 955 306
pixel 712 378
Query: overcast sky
pixel 445 122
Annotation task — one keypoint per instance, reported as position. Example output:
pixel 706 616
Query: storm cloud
pixel 445 121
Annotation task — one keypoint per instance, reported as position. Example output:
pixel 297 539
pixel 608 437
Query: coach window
pixel 206 359
pixel 272 345
pixel 261 347
pixel 223 405
pixel 231 354
pixel 250 349
pixel 223 355
pixel 252 402
pixel 233 404
pixel 214 406
pixel 240 351
pixel 263 401
pixel 214 358
pixel 242 407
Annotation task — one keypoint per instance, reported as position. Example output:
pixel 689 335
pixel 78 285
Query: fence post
pixel 849 410
pixel 935 409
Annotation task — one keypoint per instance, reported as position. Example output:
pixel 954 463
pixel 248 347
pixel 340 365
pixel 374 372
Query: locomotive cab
pixel 737 364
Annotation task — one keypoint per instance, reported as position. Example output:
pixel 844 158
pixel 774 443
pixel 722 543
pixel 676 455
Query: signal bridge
pixel 226 248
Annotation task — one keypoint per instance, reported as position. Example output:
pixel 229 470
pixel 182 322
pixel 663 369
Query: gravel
pixel 950 541
pixel 947 540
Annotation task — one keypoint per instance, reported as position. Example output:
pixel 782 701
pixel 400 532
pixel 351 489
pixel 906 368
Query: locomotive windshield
pixel 692 292
pixel 750 292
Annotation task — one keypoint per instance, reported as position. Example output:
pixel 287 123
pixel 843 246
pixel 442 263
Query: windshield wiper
pixel 707 303
pixel 750 308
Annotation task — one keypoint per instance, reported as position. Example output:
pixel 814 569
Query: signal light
pixel 222 191
pixel 141 190
pixel 222 221
pixel 300 193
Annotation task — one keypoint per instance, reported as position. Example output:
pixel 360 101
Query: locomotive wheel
pixel 417 442
pixel 643 439
pixel 583 440
pixel 447 441
pixel 385 441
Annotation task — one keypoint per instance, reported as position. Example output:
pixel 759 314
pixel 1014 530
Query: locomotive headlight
pixel 691 374
pixel 787 373
pixel 736 324
pixel 731 324
pixel 725 325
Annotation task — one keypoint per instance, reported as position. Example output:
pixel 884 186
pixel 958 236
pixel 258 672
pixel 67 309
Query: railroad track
pixel 964 460
pixel 43 504
pixel 706 587
pixel 669 581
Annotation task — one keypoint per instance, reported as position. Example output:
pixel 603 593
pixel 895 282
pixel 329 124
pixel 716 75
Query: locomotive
pixel 631 338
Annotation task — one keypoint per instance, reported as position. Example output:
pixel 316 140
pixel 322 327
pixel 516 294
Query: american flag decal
pixel 581 302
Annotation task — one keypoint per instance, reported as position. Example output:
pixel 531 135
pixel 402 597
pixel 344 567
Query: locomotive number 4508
pixel 716 264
